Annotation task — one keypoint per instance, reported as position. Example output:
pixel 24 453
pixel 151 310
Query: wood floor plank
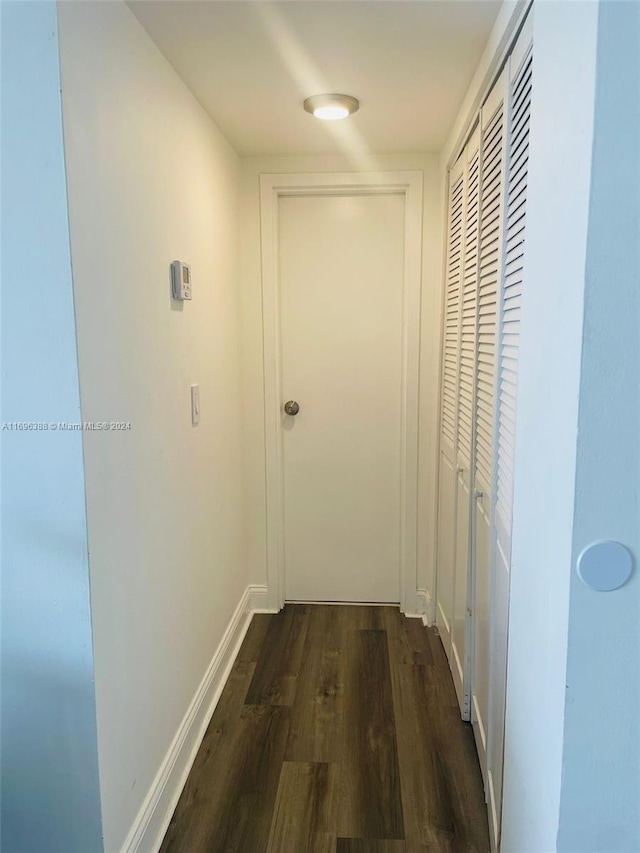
pixel 351 618
pixel 304 814
pixel 441 671
pixel 408 639
pixel 429 816
pixel 316 715
pixel 278 666
pixel 459 768
pixel 254 640
pixel 462 778
pixel 370 804
pixel 329 623
pixel 368 617
pixel 190 816
pixel 317 712
pixel 232 807
pixel 371 845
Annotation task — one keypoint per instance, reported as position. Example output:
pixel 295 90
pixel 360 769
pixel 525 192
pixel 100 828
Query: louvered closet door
pixel 492 170
pixel 448 405
pixel 460 646
pixel 512 281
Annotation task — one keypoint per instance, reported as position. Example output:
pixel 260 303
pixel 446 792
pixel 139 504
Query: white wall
pixel 150 179
pixel 600 798
pixel 561 140
pixel 50 797
pixel 253 411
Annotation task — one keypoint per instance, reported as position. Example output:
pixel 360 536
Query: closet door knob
pixel 291 408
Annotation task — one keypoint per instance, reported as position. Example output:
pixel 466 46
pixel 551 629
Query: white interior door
pixel 341 263
pixel 512 284
pixel 447 485
pixel 460 639
pixel 483 303
pixel 493 134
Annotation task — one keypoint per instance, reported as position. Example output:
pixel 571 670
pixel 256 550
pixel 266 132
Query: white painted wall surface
pixel 50 796
pixel 253 366
pixel 561 140
pixel 151 179
pixel 600 799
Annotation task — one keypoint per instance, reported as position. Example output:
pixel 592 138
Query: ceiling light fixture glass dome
pixel 331 107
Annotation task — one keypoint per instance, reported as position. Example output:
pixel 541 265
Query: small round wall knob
pixel 605 565
pixel 291 408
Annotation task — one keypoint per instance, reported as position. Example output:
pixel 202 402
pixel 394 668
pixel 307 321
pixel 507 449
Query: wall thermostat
pixel 180 280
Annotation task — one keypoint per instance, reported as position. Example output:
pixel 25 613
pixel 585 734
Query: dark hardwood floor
pixel 337 732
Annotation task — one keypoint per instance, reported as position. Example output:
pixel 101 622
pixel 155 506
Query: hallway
pixel 338 730
pixel 320 302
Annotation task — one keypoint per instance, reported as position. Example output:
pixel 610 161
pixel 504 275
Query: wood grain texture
pixel 241 791
pixel 230 805
pixel 277 668
pixel 441 779
pixel 429 815
pixel 370 804
pixel 188 827
pixel 458 758
pixel 371 845
pixel 255 638
pixel 304 809
pixel 316 715
pixel 327 625
pixel 338 730
pixel 408 639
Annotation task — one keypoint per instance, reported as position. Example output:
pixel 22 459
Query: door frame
pixel 272 188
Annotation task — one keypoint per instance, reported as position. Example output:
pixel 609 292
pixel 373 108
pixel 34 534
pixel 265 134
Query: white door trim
pixel 272 188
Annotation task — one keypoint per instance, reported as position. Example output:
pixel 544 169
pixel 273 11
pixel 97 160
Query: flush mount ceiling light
pixel 331 107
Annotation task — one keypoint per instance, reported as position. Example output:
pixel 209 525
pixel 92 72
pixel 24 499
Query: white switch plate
pixel 195 404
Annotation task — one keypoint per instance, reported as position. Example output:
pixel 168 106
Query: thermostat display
pixel 180 280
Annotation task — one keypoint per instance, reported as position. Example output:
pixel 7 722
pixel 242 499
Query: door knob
pixel 291 408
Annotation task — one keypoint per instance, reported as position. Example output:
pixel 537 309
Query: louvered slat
pixel 490 226
pixel 512 286
pixel 468 310
pixel 452 311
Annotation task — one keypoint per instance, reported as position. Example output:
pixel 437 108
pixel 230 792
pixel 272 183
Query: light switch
pixel 195 404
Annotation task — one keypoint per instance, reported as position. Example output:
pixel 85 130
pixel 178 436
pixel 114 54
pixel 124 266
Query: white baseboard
pixel 261 600
pixel 429 608
pixel 153 819
pixel 421 607
pixel 414 605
